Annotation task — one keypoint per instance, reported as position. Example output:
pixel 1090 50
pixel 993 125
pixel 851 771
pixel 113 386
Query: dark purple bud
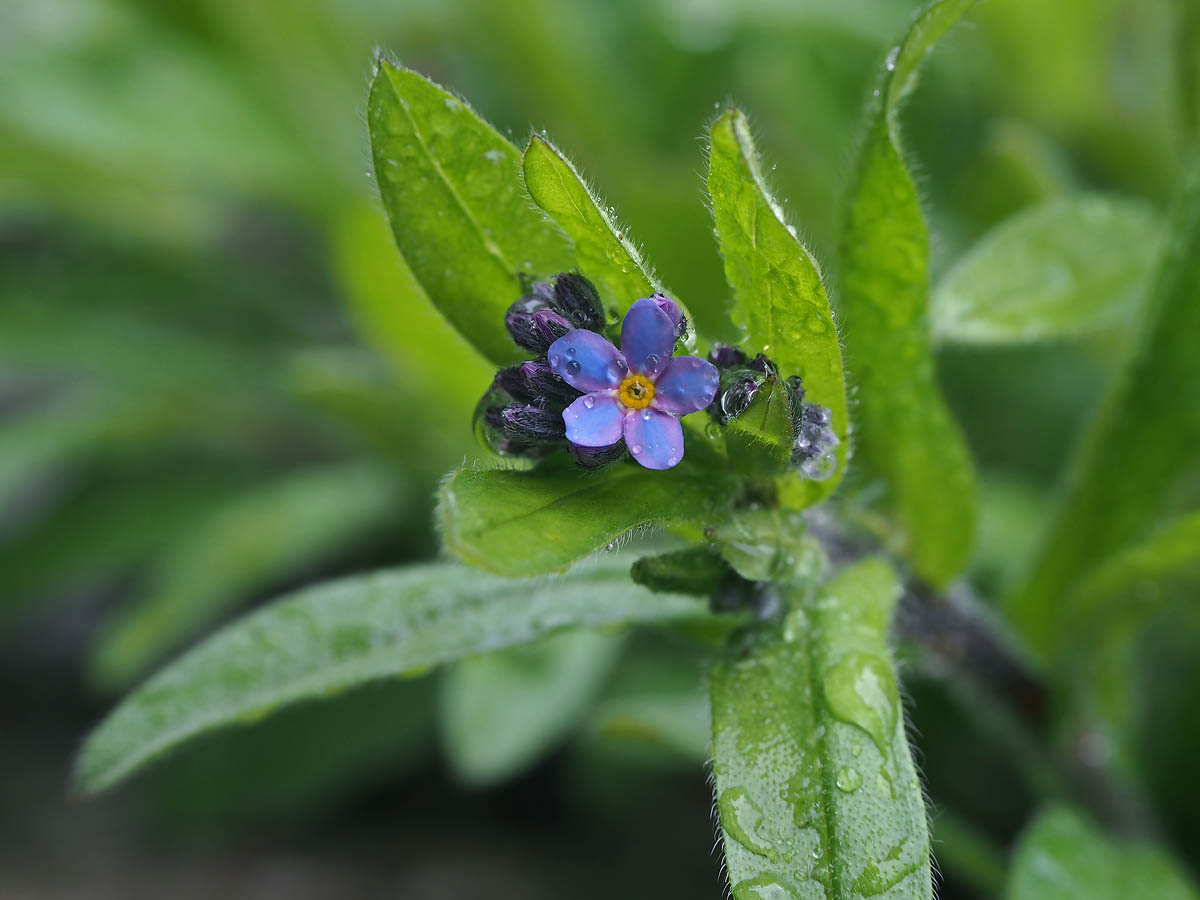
pixel 814 451
pixel 513 382
pixel 540 381
pixel 761 364
pixel 597 457
pixel 576 298
pixel 551 326
pixel 723 356
pixel 519 318
pixel 793 388
pixel 534 422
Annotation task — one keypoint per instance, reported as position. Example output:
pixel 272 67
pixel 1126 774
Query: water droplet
pixel 713 430
pixel 635 449
pixel 554 360
pixel 861 690
pixel 611 316
pixel 589 401
pixel 762 887
pixel 573 367
pixel 741 820
pixel 672 460
pixel 821 468
pixel 571 351
pixel 610 546
pixel 646 415
pixel 848 780
pixel 875 93
pixel 651 363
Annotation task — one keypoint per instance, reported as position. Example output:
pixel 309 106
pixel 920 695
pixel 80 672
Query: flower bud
pixel 597 457
pixel 723 356
pixel 674 313
pixel 533 422
pixel 576 299
pixel 539 380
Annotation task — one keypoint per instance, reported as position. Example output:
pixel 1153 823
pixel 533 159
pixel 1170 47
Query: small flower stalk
pixel 602 400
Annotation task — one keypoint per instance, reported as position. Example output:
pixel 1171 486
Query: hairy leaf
pixel 903 431
pixel 532 522
pixel 770 545
pixel 1074 266
pixel 451 187
pixel 1062 857
pixel 815 787
pixel 604 253
pixel 502 711
pixel 1139 456
pixel 778 296
pixel 334 636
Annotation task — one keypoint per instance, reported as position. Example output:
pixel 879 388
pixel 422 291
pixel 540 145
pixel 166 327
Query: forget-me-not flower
pixel 637 393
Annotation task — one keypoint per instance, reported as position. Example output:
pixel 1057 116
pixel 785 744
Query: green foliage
pixel 903 432
pixel 331 637
pixel 1062 857
pixel 1075 266
pixel 1134 464
pixel 771 544
pixel 238 547
pixel 523 523
pixel 602 249
pixel 815 786
pixel 501 712
pixel 450 185
pixel 778 297
pixel 694 570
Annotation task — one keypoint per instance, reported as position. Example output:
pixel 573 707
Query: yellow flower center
pixel 636 392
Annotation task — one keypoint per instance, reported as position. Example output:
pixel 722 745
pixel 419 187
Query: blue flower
pixel 637 393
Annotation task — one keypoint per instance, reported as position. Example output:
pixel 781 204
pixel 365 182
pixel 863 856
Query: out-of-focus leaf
pixel 299 765
pixel 258 537
pixel 603 252
pixel 1062 857
pixel 501 712
pixel 770 544
pixel 533 522
pixel 1073 266
pixel 430 359
pixel 451 187
pixel 1134 464
pixel 815 787
pixel 104 529
pixel 327 638
pixel 903 432
pixel 778 296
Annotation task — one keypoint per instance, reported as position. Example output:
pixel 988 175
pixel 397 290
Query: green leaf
pixel 694 570
pixel 815 788
pixel 327 638
pixel 452 191
pixel 771 544
pixel 1074 266
pixel 603 251
pixel 778 297
pixel 501 712
pixel 529 523
pixel 1062 857
pixel 903 432
pixel 759 441
pixel 1137 462
pixel 260 536
pixel 1133 584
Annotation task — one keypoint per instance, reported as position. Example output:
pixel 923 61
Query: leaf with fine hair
pixel 778 295
pixel 451 187
pixel 903 432
pixel 523 523
pixel 816 790
pixel 334 636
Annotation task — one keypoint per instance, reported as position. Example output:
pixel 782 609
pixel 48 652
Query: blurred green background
pixel 207 397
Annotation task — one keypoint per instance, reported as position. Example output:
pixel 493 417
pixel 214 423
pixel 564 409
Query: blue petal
pixel 594 420
pixel 688 384
pixel 586 361
pixel 647 338
pixel 654 438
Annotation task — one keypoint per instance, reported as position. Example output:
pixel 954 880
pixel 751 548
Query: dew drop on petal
pixel 672 460
pixel 646 415
pixel 570 351
pixel 636 449
pixel 589 401
pixel 554 360
pixel 651 363
pixel 573 367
